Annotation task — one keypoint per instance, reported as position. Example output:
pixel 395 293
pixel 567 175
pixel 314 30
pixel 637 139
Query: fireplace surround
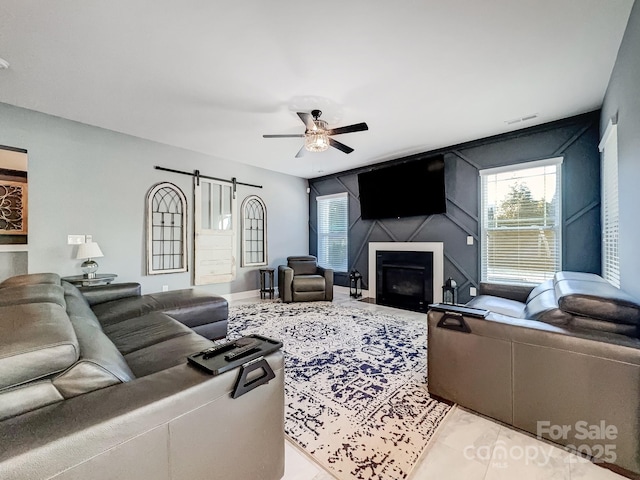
pixel 407 275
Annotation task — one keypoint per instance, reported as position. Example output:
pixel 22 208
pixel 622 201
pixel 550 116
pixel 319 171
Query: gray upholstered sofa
pixel 303 280
pixel 564 354
pixel 96 385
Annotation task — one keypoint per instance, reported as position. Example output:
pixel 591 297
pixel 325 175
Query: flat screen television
pixel 408 189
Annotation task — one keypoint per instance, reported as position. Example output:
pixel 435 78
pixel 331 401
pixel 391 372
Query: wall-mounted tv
pixel 412 188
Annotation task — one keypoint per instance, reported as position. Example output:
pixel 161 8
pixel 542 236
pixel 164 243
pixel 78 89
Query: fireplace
pixel 404 279
pixel 413 285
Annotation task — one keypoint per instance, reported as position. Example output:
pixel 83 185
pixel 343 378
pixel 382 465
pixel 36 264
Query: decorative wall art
pixel 13 196
pixel 254 232
pixel 166 229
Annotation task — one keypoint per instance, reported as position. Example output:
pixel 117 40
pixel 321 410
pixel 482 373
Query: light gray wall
pixel 88 180
pixel 12 263
pixel 623 100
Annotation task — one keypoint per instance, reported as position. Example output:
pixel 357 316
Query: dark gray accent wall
pixel 575 138
pixel 622 101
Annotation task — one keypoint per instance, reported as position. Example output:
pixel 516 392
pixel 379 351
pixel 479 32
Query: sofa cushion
pixel 589 295
pixel 106 293
pixel 303 265
pixel 99 365
pixel 193 308
pixel 167 354
pixel 540 289
pixel 605 326
pixel 542 305
pixel 31 279
pixel 23 398
pixel 36 293
pixel 503 306
pixel 140 332
pixel 190 306
pixel 308 283
pixel 77 306
pixel 36 340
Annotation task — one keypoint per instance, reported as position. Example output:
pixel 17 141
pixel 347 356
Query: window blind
pixel 609 158
pixel 521 222
pixel 333 229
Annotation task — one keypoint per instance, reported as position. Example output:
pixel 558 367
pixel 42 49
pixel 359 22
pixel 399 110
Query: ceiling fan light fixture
pixel 318 135
pixel 317 139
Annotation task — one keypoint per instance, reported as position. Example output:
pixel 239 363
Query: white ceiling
pixel 213 76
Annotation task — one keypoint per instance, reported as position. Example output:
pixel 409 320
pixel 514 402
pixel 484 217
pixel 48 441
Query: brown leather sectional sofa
pixel 561 361
pixel 95 384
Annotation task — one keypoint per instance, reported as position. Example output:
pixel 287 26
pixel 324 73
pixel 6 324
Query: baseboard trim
pixel 247 294
pixel 346 290
pixel 231 297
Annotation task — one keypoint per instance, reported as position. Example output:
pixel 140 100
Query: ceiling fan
pixel 317 137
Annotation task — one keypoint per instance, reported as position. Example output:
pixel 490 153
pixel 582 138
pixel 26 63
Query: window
pixel 333 229
pixel 521 222
pixel 166 229
pixel 609 153
pixel 254 232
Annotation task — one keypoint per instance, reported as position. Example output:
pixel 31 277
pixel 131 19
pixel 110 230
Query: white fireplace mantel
pixel 438 262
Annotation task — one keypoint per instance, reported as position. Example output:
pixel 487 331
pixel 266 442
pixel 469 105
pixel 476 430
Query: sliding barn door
pixel 215 233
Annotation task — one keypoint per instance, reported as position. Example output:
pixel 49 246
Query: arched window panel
pixel 166 229
pixel 254 232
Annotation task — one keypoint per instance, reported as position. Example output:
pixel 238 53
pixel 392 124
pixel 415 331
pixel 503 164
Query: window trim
pixel 318 234
pixel 554 161
pixel 610 266
pixel 547 162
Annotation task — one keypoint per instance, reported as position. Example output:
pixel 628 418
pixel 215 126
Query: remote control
pixel 213 351
pixel 239 352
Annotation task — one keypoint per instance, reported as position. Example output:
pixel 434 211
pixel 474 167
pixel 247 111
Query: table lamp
pixel 89 250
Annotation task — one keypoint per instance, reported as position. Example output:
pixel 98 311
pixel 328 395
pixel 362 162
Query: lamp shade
pixel 89 250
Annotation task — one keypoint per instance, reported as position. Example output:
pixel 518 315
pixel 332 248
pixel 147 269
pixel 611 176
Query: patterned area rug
pixel 356 396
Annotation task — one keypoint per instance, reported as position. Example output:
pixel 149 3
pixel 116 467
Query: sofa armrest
pixel 107 293
pixel 327 273
pixel 519 293
pixel 285 280
pixel 171 424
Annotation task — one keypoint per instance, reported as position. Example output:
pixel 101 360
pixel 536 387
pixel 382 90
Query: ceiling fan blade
pixel 357 127
pixel 340 146
pixel 301 152
pixel 307 119
pixel 284 136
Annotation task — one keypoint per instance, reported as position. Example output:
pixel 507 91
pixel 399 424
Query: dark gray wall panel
pixel 622 100
pixel 574 138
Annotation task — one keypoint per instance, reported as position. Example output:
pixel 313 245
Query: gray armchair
pixel 302 280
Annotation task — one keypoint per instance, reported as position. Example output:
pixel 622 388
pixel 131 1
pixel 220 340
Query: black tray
pixel 219 359
pixel 460 309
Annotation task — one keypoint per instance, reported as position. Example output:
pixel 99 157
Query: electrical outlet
pixel 472 291
pixel 75 239
pixel 469 240
pixel 165 288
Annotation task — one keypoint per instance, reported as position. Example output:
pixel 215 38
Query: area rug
pixel 355 384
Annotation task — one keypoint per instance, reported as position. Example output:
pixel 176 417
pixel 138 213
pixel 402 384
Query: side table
pixel 99 279
pixel 267 281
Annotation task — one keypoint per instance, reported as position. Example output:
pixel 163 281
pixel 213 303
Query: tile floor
pixel 466 445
